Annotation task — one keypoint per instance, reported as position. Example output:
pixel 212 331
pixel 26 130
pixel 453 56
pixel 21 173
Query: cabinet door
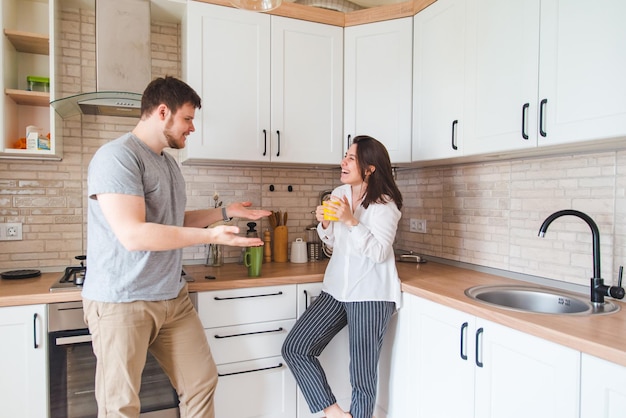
pixel 520 376
pixel 378 65
pixel 396 369
pixel 603 388
pixel 582 67
pixel 228 63
pixel 23 361
pixel 262 388
pixel 221 308
pixel 438 80
pixel 334 359
pixel 248 342
pixel 501 75
pixel 445 362
pixel 307 92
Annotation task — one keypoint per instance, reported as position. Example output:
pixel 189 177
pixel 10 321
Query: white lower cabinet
pixel 335 358
pixel 23 362
pixel 394 392
pixel 245 329
pixel 466 366
pixel 603 389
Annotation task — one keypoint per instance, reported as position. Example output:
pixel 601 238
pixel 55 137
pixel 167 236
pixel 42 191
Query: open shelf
pixel 29 42
pixel 29 98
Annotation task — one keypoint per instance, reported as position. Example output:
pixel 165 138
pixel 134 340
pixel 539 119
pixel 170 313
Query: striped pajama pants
pixel 367 323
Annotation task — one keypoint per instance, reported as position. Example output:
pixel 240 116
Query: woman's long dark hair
pixel 381 186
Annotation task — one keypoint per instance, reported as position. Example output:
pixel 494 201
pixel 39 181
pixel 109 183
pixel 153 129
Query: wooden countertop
pixel 599 335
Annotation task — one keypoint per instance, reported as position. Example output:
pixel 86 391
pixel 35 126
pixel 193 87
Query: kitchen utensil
pixel 272 220
pixel 410 258
pixel 253 259
pixel 251 232
pixel 267 247
pixel 298 251
pixel 20 274
pixel 280 244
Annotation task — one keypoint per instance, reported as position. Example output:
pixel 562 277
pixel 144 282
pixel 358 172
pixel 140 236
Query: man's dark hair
pixel 170 91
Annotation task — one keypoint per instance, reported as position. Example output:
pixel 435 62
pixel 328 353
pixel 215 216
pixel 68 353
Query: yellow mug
pixel 329 213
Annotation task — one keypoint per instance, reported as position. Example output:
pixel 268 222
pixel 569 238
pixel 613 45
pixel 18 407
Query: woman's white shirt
pixel 362 266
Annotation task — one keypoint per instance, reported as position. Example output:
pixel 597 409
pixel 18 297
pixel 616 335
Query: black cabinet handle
pixel 479 333
pixel 348 144
pixel 249 333
pixel 463 338
pixel 278 152
pixel 264 142
pixel 35 345
pixel 542 110
pixel 454 146
pixel 251 296
pixel 278 366
pixel 524 114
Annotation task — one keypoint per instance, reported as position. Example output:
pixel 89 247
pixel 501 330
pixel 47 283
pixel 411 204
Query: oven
pixel 72 368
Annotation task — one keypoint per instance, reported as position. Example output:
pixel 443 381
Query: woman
pixel 361 287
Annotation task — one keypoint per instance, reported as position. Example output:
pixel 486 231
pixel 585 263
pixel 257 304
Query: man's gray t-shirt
pixel 114 274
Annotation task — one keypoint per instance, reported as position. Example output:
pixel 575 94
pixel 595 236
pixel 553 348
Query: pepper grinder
pixel 267 248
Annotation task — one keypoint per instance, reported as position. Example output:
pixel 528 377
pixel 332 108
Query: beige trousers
pixel 122 334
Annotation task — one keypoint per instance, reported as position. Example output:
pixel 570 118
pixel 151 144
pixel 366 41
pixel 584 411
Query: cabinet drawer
pixel 222 308
pixel 261 388
pixel 248 342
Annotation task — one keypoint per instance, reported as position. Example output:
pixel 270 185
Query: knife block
pixel 280 244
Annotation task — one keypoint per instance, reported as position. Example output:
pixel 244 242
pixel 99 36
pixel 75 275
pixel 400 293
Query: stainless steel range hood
pixel 123 62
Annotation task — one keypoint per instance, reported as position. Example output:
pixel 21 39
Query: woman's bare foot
pixel 334 411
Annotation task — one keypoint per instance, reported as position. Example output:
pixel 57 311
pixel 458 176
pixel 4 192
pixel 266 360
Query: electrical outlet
pixel 11 231
pixel 417 225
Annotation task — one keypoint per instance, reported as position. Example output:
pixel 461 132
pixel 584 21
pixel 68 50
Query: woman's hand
pixel 342 209
pixel 319 215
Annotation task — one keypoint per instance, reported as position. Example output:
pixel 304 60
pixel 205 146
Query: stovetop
pixel 74 277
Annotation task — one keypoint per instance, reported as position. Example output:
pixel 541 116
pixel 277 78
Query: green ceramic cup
pixel 253 259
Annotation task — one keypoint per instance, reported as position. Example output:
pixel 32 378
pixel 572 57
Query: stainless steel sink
pixel 538 300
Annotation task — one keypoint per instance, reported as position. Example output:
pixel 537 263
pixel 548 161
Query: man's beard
pixel 171 141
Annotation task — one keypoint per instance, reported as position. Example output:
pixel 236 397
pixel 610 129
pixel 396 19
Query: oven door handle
pixel 77 339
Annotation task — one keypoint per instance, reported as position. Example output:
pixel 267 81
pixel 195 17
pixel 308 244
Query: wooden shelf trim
pixel 332 17
pixel 29 98
pixel 29 42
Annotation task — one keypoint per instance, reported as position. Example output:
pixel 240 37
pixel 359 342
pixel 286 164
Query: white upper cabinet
pixel 501 75
pixel 271 87
pixel 582 64
pixel 27 49
pixel 439 80
pixel 517 75
pixel 228 63
pixel 378 63
pixel 307 92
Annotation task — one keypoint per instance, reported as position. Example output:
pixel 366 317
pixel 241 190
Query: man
pixel 134 298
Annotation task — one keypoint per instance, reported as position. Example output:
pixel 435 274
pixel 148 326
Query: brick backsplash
pixel 489 214
pixel 486 214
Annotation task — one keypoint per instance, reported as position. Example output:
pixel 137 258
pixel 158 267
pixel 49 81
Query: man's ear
pixel 162 111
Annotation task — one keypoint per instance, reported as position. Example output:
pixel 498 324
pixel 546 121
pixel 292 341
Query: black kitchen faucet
pixel 598 289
